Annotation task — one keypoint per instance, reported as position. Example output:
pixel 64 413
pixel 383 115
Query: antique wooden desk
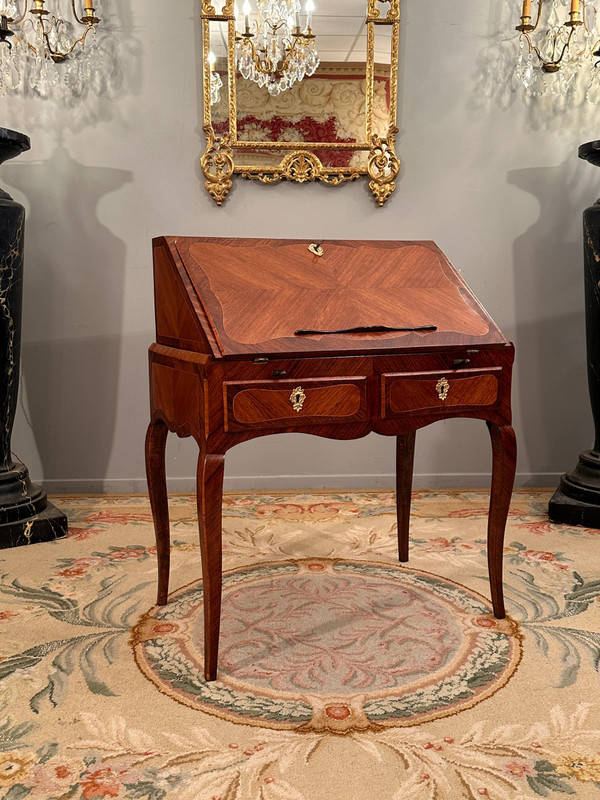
pixel 338 339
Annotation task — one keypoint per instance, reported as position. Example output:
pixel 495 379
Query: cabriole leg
pixel 210 501
pixel 405 456
pixel 504 451
pixel 156 438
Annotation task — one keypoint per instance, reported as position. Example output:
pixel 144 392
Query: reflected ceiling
pixel 339 26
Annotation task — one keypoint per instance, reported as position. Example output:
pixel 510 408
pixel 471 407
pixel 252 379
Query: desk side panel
pixel 178 317
pixel 178 396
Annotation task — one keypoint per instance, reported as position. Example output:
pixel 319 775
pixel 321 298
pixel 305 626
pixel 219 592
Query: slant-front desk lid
pixel 274 297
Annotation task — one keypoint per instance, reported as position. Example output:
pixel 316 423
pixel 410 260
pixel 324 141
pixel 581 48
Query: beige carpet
pixel 343 675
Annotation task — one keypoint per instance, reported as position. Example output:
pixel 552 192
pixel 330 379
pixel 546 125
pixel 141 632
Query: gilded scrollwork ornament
pixel 217 165
pixel 300 166
pixel 383 166
pixel 374 13
pixel 208 10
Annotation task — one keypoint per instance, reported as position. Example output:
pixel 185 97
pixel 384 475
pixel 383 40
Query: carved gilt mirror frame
pixel 371 152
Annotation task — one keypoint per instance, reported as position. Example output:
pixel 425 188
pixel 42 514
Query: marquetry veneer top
pixel 252 295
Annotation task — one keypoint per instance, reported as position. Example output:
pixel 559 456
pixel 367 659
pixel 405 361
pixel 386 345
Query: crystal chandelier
pixel 47 53
pixel 276 51
pixel 559 48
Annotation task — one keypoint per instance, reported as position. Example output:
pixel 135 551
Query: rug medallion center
pixel 331 645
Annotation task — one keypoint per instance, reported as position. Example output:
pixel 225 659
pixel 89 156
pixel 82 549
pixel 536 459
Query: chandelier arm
pixel 81 22
pixel 19 39
pixel 275 27
pixel 565 48
pixel 532 47
pixel 22 17
pixel 539 14
pixel 290 51
pixel 269 68
pixel 556 61
pixel 60 54
pixel 257 60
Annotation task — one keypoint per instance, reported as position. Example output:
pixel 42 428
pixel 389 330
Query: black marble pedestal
pixel 577 499
pixel 26 516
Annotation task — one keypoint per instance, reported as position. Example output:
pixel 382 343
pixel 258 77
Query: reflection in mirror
pixel 216 63
pixel 307 93
pixel 276 49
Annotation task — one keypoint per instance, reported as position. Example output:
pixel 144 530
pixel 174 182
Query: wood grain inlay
pixel 409 394
pixel 263 293
pixel 263 405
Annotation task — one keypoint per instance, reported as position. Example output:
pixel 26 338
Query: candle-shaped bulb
pixel 236 11
pixel 297 20
pixel 247 8
pixel 211 60
pixel 526 8
pixel 309 8
pixel 574 8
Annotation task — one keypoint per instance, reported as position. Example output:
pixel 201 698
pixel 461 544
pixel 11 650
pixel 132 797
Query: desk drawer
pixel 430 392
pixel 299 402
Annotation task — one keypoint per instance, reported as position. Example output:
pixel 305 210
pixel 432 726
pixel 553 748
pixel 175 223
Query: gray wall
pixel 494 181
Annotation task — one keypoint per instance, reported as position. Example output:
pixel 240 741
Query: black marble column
pixel 26 516
pixel 577 499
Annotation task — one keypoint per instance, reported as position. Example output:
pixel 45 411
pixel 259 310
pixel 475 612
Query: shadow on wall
pixel 549 306
pixel 72 313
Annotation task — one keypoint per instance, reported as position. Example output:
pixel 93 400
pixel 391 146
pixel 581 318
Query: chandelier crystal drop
pixel 559 48
pixel 52 50
pixel 274 50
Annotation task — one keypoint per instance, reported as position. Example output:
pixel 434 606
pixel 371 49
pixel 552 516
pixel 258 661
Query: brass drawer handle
pixel 297 398
pixel 442 387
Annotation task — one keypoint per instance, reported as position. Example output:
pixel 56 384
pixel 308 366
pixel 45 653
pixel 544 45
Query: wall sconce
pixel 559 38
pixel 48 52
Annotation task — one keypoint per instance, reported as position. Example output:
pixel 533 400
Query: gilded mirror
pixel 300 90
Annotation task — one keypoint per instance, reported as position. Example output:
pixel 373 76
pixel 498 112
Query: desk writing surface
pixel 252 295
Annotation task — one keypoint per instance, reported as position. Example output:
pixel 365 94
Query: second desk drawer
pixel 298 402
pixel 404 393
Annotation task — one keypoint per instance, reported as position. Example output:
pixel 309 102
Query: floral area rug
pixel 343 675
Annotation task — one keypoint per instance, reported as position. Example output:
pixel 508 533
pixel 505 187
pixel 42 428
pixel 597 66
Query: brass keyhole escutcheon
pixel 442 387
pixel 297 398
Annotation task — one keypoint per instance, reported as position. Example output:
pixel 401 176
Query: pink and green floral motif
pixel 518 554
pixel 80 567
pixel 87 723
pixel 402 646
pixel 114 760
pixel 345 506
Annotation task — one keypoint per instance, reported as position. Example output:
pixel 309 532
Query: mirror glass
pixel 314 118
